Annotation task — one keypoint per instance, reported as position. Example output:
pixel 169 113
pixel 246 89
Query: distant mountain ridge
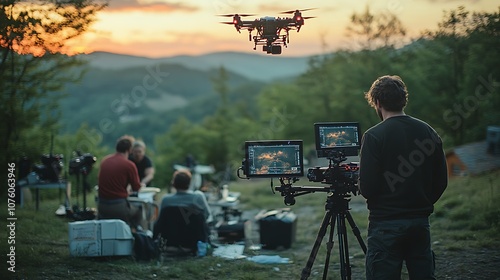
pixel 115 89
pixel 252 66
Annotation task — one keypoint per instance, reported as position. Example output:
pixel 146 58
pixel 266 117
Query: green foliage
pixel 458 77
pixel 32 72
pixel 182 139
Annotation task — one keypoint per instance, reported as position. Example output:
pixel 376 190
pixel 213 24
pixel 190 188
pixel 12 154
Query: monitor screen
pixel 274 158
pixel 342 137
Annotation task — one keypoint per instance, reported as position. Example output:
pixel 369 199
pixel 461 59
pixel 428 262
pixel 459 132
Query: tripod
pixel 341 181
pixel 337 211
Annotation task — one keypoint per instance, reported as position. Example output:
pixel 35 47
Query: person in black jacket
pixel 402 174
pixel 143 163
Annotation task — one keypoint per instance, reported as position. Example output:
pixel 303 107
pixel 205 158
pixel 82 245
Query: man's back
pixel 115 173
pixel 405 170
pixel 194 200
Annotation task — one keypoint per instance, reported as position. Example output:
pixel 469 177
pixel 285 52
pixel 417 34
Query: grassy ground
pixel 465 230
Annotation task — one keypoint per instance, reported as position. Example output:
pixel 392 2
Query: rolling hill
pixel 253 66
pixel 143 96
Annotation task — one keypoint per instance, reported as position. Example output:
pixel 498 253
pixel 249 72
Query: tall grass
pixel 466 216
pixel 468 212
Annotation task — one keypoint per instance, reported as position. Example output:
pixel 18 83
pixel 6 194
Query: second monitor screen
pixel 274 158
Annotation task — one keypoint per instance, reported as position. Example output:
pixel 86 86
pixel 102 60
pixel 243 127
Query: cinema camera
pixel 82 164
pixel 284 159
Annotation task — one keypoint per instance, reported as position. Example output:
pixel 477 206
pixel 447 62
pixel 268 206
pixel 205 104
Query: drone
pixel 269 29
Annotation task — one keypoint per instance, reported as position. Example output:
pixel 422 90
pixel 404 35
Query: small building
pixel 475 158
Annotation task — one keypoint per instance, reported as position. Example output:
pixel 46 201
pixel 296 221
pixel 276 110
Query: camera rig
pixel 342 179
pixel 82 163
pixel 283 159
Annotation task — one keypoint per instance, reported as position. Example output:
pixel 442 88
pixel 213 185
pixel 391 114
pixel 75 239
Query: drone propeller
pixel 232 15
pixel 293 11
pixel 308 17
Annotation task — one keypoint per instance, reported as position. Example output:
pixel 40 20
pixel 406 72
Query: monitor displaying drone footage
pixel 341 137
pixel 274 158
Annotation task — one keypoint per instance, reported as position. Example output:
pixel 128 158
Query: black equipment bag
pixel 145 247
pixel 277 228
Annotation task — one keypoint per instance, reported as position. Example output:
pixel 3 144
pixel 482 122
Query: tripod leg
pixel 321 233
pixel 345 266
pixel 356 232
pixel 329 245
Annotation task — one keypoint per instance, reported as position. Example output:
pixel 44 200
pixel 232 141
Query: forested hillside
pixel 145 100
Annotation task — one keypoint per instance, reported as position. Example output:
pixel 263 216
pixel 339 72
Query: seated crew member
pixel 183 197
pixel 116 174
pixel 142 162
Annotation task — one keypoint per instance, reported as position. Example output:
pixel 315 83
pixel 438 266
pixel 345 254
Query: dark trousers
pixel 392 242
pixel 120 209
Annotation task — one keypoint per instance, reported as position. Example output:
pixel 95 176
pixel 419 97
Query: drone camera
pixel 272 49
pixel 276 49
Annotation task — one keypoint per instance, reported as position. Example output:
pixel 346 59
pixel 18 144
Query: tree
pixel 182 139
pixel 32 68
pixel 460 63
pixel 220 122
pixel 382 30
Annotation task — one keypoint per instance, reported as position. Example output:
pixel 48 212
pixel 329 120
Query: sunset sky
pixel 162 28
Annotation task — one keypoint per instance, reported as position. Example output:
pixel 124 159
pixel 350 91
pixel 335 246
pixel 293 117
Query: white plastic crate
pixel 100 238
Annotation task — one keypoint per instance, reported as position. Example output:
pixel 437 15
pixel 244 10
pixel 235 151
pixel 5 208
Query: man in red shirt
pixel 116 174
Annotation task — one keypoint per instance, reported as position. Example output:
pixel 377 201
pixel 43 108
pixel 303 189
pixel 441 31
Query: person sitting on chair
pixel 183 215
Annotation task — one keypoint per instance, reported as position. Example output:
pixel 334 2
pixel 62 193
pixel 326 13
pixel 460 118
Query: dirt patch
pixel 470 263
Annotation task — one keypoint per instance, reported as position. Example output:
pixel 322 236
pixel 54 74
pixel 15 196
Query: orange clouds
pixel 149 7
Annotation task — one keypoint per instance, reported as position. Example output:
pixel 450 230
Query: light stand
pixel 82 213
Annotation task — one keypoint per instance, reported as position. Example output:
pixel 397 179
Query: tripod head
pixel 341 179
